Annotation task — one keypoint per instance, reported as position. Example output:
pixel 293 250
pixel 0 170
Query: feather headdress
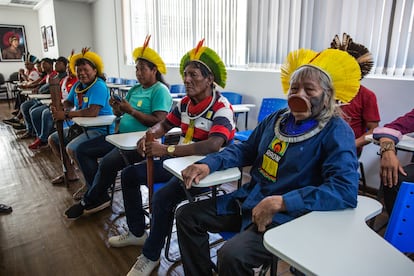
pixel 358 51
pixel 30 58
pixel 342 69
pixel 72 53
pixel 92 57
pixel 149 54
pixel 210 59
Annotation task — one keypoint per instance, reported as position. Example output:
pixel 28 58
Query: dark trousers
pixel 101 175
pixel 390 194
pixel 238 256
pixel 163 205
pixel 132 178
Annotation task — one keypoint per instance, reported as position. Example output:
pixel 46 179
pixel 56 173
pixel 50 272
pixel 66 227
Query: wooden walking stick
pixel 56 97
pixel 150 172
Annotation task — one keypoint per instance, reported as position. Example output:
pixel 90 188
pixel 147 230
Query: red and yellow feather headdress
pixel 149 54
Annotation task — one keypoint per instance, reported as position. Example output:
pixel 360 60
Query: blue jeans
pixel 163 205
pixel 74 144
pixel 101 175
pixel 42 121
pixel 26 108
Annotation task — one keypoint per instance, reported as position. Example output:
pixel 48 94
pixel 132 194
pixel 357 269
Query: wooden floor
pixel 35 239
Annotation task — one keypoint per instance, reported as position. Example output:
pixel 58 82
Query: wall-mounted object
pixel 44 39
pixel 49 36
pixel 12 42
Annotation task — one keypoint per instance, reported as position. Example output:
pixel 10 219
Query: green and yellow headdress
pixel 210 59
pixel 92 57
pixel 340 66
pixel 358 51
pixel 149 54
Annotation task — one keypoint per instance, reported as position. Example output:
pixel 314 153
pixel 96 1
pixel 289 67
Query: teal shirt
pixel 146 100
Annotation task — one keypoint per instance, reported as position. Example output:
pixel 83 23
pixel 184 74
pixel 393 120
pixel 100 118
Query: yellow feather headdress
pixel 149 54
pixel 340 66
pixel 69 59
pixel 210 59
pixel 92 57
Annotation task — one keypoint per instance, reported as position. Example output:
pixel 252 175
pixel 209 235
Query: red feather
pixel 146 42
pixel 199 45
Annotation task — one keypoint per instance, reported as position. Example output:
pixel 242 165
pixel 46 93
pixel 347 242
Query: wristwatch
pixel 171 150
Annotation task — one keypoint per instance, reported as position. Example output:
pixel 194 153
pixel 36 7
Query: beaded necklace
pixel 85 89
pixel 288 131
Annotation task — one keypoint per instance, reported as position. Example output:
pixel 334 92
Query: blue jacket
pixel 320 173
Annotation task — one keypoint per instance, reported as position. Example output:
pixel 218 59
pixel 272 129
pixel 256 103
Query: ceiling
pixel 31 3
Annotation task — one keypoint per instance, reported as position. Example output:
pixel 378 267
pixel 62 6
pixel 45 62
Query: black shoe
pixel 11 121
pixel 19 126
pixel 5 209
pixel 97 207
pixel 75 212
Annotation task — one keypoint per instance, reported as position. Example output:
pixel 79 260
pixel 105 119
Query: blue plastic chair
pixel 268 106
pixel 232 97
pixel 400 229
pixel 131 82
pixel 119 81
pixel 110 79
pixel 177 88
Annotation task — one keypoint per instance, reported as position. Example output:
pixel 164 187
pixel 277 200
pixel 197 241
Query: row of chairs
pixel 121 81
pixel 9 87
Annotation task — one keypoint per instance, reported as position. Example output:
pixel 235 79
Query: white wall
pixel 74 27
pixel 28 18
pixel 107 39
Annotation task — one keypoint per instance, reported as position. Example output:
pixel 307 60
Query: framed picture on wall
pixel 49 36
pixel 44 40
pixel 12 42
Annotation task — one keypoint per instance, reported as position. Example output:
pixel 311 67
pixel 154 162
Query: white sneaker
pixel 143 266
pixel 127 239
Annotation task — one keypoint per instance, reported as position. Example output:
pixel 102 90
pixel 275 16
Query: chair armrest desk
pixel 337 243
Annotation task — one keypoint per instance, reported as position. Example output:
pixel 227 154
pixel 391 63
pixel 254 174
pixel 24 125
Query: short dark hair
pixel 48 60
pixel 62 59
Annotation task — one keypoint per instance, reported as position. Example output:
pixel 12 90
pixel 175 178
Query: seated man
pixel 362 112
pixel 303 159
pixel 207 124
pixel 28 106
pixel 28 76
pixel 40 117
pixel 392 173
pixel 145 104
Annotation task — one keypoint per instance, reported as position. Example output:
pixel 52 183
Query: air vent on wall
pixel 24 2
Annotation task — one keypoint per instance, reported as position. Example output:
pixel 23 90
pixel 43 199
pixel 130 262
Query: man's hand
pixel 263 213
pixel 57 115
pixel 390 166
pixel 194 173
pixel 155 149
pixel 141 146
